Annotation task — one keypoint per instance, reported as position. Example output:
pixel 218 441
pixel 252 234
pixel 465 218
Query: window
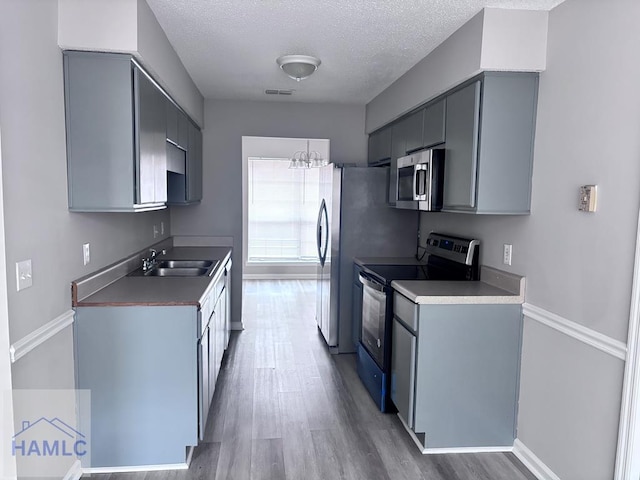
pixel 282 211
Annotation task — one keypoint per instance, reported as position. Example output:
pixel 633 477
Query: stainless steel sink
pixel 178 268
pixel 177 272
pixel 185 264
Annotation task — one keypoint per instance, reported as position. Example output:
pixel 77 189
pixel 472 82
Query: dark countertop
pixel 162 291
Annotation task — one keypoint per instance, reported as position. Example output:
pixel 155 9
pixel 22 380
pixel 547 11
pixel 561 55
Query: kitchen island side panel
pixel 140 365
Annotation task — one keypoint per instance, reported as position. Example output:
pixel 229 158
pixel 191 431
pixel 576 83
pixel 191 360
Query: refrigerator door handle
pixel 322 254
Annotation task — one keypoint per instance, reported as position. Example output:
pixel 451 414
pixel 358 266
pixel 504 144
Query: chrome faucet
pixel 150 262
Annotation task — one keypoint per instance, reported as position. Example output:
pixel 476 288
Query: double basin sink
pixel 178 268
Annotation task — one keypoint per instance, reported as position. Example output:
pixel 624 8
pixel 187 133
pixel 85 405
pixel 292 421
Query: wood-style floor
pixel 284 408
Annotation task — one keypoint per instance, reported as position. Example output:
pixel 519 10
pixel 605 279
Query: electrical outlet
pixel 161 228
pixel 86 254
pixel 506 253
pixel 155 231
pixel 24 278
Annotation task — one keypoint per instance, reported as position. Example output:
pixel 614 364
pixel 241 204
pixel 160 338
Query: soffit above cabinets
pixel 229 47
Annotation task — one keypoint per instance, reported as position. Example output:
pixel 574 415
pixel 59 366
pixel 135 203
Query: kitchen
pixel 570 392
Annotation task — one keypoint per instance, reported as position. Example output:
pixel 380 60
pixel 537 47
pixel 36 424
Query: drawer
pixel 405 310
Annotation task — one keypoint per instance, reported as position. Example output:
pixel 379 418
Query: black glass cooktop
pixel 387 273
pixel 435 269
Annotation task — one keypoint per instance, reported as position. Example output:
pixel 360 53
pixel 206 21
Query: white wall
pixel 129 26
pixel 220 213
pixel 578 265
pixel 494 39
pixel 37 223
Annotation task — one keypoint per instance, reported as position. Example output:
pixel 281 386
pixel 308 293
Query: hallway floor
pixel 284 408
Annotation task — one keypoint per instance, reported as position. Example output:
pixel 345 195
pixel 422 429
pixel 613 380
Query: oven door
pixel 374 312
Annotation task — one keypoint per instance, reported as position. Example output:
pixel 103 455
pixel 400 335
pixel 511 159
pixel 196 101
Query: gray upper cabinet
pixel 412 132
pixel 194 165
pixel 380 147
pixel 433 126
pixel 185 168
pixel 490 127
pixel 177 126
pixel 116 125
pixel 461 155
pixel 150 136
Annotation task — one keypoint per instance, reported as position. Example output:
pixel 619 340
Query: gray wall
pixel 220 213
pixel 37 223
pixel 578 265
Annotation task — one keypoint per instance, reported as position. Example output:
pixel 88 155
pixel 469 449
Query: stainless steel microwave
pixel 420 180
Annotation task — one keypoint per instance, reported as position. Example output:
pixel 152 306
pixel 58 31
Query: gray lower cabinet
pixel 116 126
pixel 403 369
pixel 152 372
pixel 455 372
pixel 490 125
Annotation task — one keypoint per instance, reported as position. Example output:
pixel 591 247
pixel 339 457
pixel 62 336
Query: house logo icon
pixel 48 438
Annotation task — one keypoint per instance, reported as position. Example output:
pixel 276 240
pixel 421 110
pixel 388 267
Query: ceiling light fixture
pixel 298 67
pixel 308 159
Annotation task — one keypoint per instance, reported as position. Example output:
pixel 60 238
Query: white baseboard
pixel 137 468
pixel 279 276
pixel 439 451
pixel 75 472
pixel 532 462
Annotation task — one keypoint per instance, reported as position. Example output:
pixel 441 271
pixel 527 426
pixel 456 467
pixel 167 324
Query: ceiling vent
pixel 278 92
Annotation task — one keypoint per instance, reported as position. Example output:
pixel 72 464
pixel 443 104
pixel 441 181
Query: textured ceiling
pixel 229 47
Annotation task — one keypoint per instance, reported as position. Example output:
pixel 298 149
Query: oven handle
pixel 368 281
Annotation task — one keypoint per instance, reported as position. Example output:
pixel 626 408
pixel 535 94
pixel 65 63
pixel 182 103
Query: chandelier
pixel 307 159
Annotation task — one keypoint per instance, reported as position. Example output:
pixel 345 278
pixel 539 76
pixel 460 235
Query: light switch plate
pixel 588 198
pixel 161 228
pixel 86 253
pixel 155 231
pixel 24 278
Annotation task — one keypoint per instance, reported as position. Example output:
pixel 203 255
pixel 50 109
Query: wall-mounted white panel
pixel 102 26
pixel 514 40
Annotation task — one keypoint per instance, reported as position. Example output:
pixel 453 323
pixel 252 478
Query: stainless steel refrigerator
pixel 354 220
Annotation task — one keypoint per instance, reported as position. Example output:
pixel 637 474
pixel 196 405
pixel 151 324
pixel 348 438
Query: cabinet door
pixel 380 146
pixel 413 132
pixel 194 164
pixel 172 122
pixel 213 347
pixel 227 295
pixel 203 382
pixel 461 158
pixel 183 130
pixel 403 371
pixel 151 158
pixel 433 132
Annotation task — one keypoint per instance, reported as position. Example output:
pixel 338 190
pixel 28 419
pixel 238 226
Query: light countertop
pixel 452 293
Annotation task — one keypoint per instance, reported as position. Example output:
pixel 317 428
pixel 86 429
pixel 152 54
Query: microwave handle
pixel 420 181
